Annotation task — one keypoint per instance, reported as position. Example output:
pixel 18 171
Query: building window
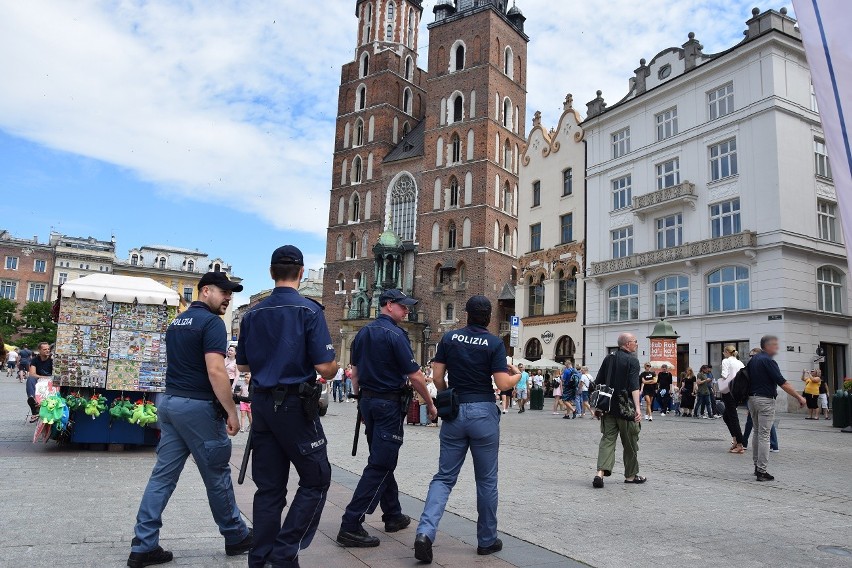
pixel 624 302
pixel 728 289
pixel 365 64
pixel 353 248
pixel 507 240
pixel 454 192
pixel 190 266
pixel 217 267
pixel 668 173
pixel 814 106
pixel 410 36
pixel 620 143
pixel 40 266
pixel 536 194
pixel 507 198
pixel 361 99
pixel 622 242
pixel 355 209
pixel 359 133
pixel 187 293
pixel 451 236
pixel 723 159
pixel 11 263
pixel 162 263
pixel 459 57
pixel 622 193
pixel 566 224
pixel 536 296
pixel 670 231
pixel 406 128
pixel 507 156
pixel 456 149
pixel 725 218
pixel 827 220
pixel 507 113
pixel 458 108
pixel 63 278
pixel 821 166
pixel 406 101
pixel 721 101
pixel 8 289
pixel 134 260
pixel 509 63
pixel 357 169
pixel 409 69
pixel 567 182
pixel 368 23
pixel 829 289
pixel 671 296
pixel 36 292
pixel 568 291
pixel 450 313
pixel 403 202
pixel 666 124
pixel 535 237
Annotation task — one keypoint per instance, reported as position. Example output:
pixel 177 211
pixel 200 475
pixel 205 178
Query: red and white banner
pixel 825 26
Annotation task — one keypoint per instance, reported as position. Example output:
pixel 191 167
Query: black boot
pixel 423 548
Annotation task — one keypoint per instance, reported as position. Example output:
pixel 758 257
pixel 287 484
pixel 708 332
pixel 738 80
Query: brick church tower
pixel 424 187
pixel 475 107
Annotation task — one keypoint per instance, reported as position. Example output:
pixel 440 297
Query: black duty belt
pixel 392 396
pixel 467 398
pixel 287 389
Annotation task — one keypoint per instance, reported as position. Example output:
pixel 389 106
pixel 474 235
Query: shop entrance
pixel 682 359
pixel 715 354
pixel 834 367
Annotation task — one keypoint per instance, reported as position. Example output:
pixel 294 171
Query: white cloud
pixel 234 102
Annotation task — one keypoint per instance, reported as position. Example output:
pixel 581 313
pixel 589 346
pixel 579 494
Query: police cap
pixel 219 280
pixel 478 305
pixel 288 254
pixel 395 297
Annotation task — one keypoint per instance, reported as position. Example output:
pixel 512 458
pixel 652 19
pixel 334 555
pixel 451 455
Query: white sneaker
pixel 662 413
pixel 774 451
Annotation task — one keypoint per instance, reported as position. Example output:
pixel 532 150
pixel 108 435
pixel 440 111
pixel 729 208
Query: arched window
pixel 339 251
pixel 456 153
pixel 458 108
pixel 671 296
pixel 507 240
pixel 436 236
pixel 567 291
pixel 341 211
pixel 533 350
pixel 409 68
pixel 507 155
pixel 389 33
pixel 461 270
pixel 359 133
pixel 403 207
pixel 406 101
pixel 353 248
pixel 565 349
pixel 357 169
pixel 454 192
pixel 829 289
pixel 728 289
pixel 163 263
pixel 466 230
pixel 134 260
pixel 411 28
pixel 361 98
pixel 341 281
pixel 624 302
pixel 507 113
pixel 507 198
pixel 190 266
pixel 450 312
pixel 405 129
pixel 216 267
pixel 451 236
pixel 365 64
pixel 509 63
pixel 458 57
pixel 368 23
pixel 365 245
pixel 355 208
pixel 391 12
pixel 535 301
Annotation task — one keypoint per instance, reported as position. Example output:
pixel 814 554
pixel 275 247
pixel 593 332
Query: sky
pixel 210 125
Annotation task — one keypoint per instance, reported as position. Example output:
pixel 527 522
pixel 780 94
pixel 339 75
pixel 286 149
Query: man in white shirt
pixel 586 379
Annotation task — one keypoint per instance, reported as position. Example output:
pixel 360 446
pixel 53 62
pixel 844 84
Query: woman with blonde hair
pixel 731 365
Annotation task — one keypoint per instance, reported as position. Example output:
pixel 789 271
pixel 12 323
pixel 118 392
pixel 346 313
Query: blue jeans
pixel 337 393
pixel 477 428
pixel 189 426
pixel 704 403
pixel 773 433
pixel 347 387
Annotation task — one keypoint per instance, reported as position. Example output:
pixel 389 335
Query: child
pixel 245 405
pixel 676 400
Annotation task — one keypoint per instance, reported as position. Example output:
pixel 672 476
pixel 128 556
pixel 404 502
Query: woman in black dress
pixel 687 393
pixel 649 390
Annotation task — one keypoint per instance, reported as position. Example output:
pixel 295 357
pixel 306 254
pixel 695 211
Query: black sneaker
pixel 156 556
pixel 486 550
pixel 764 476
pixel 423 548
pixel 241 547
pixel 357 539
pixel 396 525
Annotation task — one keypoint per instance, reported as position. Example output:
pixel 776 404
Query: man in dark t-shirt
pixel 664 389
pixel 39 366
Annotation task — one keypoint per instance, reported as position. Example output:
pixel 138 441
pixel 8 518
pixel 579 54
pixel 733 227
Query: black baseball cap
pixel 478 305
pixel 219 280
pixel 396 297
pixel 288 254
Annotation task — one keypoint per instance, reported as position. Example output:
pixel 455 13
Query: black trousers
pixel 665 402
pixel 731 418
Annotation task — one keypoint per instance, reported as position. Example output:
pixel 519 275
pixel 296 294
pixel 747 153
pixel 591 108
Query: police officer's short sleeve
pixel 441 353
pixel 355 356
pixel 215 337
pixel 320 349
pixel 242 358
pixel 404 355
pixel 498 359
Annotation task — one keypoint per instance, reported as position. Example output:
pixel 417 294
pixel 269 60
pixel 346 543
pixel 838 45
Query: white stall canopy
pixel 127 289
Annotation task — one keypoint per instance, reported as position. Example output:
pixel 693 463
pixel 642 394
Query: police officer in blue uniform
pixel 197 415
pixel 472 356
pixel 381 361
pixel 284 343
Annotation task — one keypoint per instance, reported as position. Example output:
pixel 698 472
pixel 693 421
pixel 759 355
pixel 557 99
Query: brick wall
pixel 27 253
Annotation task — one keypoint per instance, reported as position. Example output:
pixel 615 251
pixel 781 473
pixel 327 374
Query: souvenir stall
pixel 109 360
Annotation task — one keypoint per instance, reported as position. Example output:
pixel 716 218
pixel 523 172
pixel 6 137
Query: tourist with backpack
pixel 765 377
pixel 570 380
pixel 731 365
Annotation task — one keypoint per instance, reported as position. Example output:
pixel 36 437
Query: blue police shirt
pixel 189 337
pixel 472 355
pixel 283 338
pixel 765 376
pixel 382 355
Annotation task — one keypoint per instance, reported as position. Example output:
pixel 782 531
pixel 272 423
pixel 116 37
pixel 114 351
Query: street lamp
pixel 427 333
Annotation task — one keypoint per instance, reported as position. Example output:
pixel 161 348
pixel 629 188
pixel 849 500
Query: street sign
pixel 514 330
pixel 819 359
pixel 514 321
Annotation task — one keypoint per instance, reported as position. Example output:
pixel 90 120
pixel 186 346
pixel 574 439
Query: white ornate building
pixel 551 220
pixel 710 203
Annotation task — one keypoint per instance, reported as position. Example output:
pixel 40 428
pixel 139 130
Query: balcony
pixel 690 251
pixel 682 193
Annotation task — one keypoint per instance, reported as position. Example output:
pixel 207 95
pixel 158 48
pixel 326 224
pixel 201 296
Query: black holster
pixel 309 394
pixel 406 397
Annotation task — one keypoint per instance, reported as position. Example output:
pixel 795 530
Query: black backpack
pixel 741 386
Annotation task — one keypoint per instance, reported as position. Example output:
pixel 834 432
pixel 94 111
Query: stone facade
pixel 26 272
pixel 76 257
pixel 436 161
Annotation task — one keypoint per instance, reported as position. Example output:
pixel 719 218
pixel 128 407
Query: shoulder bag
pixel 601 398
pixel 447 403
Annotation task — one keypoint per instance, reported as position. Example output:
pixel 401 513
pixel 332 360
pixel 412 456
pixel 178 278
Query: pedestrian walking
pixel 522 389
pixel 347 383
pixel 649 390
pixel 823 396
pixel 620 371
pixel 473 356
pixel 337 393
pixel 381 361
pixel 688 392
pixel 570 381
pixel 731 365
pixel 245 403
pixel 765 378
pixel 11 360
pixel 197 415
pixel 284 343
pixel 704 394
pixel 557 395
pixel 586 381
pixel 664 389
pixel 24 357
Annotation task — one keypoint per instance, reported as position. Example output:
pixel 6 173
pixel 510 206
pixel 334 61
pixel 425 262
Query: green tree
pixel 8 321
pixel 36 325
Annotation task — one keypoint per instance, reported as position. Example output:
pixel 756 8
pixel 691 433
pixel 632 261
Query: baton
pixel 244 464
pixel 357 432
